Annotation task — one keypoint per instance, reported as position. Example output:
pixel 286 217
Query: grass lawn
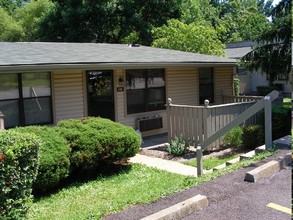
pixel 134 184
pixel 210 162
pixel 287 102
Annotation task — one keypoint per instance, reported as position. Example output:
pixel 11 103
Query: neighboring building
pixel 249 81
pixel 43 83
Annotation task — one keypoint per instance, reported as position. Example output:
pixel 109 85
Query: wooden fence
pixel 1 121
pixel 197 123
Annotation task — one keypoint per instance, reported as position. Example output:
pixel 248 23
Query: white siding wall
pixel 68 93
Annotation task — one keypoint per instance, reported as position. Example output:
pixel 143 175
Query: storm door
pixel 100 94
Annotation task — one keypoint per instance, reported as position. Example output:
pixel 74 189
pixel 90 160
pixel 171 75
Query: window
pixel 145 90
pixel 206 85
pixel 25 99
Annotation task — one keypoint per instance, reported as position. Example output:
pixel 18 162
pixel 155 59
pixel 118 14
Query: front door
pixel 100 94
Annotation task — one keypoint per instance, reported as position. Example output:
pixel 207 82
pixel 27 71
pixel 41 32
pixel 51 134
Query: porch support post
pixel 2 127
pixel 170 128
pixel 268 122
pixel 199 161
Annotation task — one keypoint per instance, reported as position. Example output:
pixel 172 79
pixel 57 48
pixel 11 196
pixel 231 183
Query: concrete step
pixel 248 155
pixel 219 167
pixel 235 160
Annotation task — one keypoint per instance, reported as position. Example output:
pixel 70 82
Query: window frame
pixel 146 91
pixel 21 100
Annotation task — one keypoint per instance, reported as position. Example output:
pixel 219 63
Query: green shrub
pixel 97 140
pixel 54 164
pixel 253 136
pixel 264 90
pixel 281 121
pixel 177 146
pixel 233 138
pixel 18 168
pixel 236 83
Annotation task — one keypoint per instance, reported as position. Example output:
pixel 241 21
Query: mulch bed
pixel 161 152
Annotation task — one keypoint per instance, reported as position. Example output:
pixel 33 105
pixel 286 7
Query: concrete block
pixel 181 209
pixel 260 149
pixel 284 142
pixel 219 167
pixel 235 160
pixel 286 160
pixel 248 155
pixel 263 171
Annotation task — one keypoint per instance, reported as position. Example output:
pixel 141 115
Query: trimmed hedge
pixel 54 164
pixel 281 121
pixel 233 138
pixel 97 140
pixel 264 90
pixel 253 136
pixel 18 168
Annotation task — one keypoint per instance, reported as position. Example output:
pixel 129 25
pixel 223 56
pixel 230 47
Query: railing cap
pixel 1 114
pixel 273 95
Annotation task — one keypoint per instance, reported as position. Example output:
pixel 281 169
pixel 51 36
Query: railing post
pixel 169 103
pixel 199 161
pixel 268 122
pixel 2 127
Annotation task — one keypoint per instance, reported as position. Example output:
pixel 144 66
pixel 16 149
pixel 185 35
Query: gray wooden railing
pixel 2 121
pixel 265 103
pixel 197 123
pixel 240 99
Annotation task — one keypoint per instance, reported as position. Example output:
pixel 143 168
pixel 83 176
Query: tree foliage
pixel 10 30
pixel 273 54
pixel 192 38
pixel 106 21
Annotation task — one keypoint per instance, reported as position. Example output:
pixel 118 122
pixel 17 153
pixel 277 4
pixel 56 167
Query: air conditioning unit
pixel 149 123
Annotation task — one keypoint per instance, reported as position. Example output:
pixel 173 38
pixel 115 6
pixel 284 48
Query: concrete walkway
pixel 170 166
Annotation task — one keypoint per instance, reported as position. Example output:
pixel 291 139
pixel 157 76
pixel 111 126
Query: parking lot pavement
pixel 269 198
pixel 229 197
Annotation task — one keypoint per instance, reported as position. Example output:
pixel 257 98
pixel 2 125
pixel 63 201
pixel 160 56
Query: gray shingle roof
pixel 239 49
pixel 38 53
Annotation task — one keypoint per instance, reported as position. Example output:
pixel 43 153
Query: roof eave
pixel 88 66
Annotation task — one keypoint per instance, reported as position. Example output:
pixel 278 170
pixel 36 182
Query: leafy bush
pixel 54 164
pixel 253 136
pixel 177 146
pixel 236 83
pixel 281 121
pixel 18 168
pixel 264 90
pixel 233 138
pixel 97 140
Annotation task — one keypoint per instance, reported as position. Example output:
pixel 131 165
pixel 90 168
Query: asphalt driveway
pixel 230 197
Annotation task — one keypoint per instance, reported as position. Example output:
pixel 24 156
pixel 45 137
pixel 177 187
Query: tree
pixel 273 54
pixel 199 12
pixel 111 21
pixel 192 38
pixel 30 16
pixel 242 20
pixel 10 30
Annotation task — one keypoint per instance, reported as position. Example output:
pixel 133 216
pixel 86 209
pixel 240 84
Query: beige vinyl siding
pixel 68 91
pixel 223 78
pixel 182 85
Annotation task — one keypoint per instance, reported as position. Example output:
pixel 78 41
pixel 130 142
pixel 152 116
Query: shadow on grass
pixel 81 177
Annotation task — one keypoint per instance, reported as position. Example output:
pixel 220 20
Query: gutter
pixel 91 66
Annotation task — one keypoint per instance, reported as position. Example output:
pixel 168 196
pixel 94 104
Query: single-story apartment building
pixel 43 83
